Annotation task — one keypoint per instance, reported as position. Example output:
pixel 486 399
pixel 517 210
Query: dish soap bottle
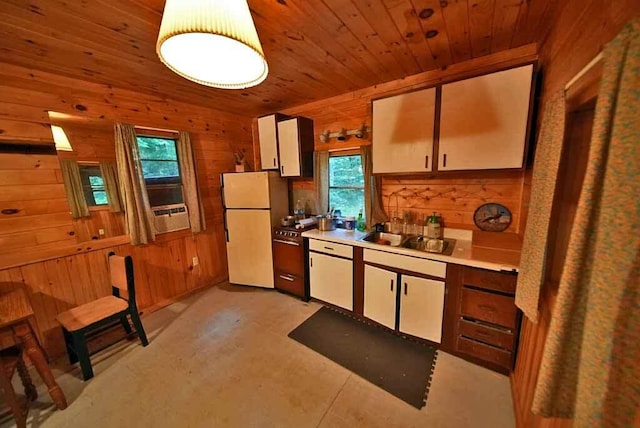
pixel 433 226
pixel 298 211
pixel 360 224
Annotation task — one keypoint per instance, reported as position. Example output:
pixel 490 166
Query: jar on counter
pixel 350 223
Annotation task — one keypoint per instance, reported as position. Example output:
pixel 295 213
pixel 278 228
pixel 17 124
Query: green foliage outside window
pixel 346 184
pixel 159 158
pixel 93 185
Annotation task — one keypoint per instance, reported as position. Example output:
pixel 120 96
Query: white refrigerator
pixel 254 202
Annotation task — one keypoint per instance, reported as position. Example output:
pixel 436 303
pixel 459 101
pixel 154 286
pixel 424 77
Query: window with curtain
pixel 161 170
pixel 346 184
pixel 93 185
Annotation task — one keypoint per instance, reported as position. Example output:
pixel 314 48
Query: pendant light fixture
pixel 212 42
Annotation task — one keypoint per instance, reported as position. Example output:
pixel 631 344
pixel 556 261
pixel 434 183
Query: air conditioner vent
pixel 168 218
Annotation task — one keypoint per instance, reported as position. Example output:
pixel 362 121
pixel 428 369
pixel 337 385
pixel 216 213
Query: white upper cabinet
pixel 403 128
pixel 289 148
pixel 483 121
pixel 268 137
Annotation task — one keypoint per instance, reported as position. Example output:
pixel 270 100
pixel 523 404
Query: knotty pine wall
pixel 577 33
pixel 62 276
pixel 455 197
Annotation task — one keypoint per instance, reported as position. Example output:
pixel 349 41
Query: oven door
pixel 288 265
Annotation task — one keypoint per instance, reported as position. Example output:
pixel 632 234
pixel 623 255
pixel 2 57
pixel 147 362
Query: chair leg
pixel 80 346
pixel 135 318
pixel 12 401
pixel 68 341
pixel 29 390
pixel 125 324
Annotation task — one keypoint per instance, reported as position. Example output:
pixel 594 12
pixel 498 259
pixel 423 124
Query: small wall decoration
pixel 492 217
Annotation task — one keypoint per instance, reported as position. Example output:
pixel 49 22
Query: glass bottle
pixel 298 210
pixel 360 224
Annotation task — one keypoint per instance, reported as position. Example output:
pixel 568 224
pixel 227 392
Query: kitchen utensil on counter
pixel 288 221
pixel 306 222
pixel 325 223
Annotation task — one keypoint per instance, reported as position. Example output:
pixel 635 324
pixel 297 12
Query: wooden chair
pixel 79 321
pixel 10 360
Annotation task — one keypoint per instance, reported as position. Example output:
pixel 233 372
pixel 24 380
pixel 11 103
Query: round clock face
pixel 492 217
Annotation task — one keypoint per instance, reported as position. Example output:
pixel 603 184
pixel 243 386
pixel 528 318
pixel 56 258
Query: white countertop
pixel 462 252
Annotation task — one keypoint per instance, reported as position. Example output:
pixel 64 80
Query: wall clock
pixel 492 217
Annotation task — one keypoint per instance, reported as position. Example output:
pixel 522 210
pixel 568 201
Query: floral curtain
pixel 321 180
pixel 138 213
pixel 190 183
pixel 109 171
pixel 590 368
pixel 374 213
pixel 73 188
pixel 543 186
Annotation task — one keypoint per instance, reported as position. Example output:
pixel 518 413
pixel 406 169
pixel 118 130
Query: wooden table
pixel 15 314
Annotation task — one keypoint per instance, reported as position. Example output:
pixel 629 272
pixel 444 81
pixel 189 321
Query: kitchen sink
pixel 384 238
pixel 412 242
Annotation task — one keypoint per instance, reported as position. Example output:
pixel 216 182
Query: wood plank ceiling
pixel 315 48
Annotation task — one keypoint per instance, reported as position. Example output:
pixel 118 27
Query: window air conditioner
pixel 168 218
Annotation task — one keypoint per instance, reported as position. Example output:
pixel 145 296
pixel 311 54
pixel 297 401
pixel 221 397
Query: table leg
pixel 34 352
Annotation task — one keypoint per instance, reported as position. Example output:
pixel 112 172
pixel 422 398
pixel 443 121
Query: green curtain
pixel 132 188
pixel 590 368
pixel 374 213
pixel 543 186
pixel 190 183
pixel 73 188
pixel 109 171
pixel 321 180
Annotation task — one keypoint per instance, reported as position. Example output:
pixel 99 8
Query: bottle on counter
pixel 360 223
pixel 298 210
pixel 433 227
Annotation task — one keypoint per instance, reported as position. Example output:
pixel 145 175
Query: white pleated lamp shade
pixel 212 42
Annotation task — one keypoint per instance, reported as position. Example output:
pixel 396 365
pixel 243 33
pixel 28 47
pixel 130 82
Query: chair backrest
pixel 121 275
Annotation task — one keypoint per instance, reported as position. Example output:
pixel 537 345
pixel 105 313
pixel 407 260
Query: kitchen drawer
pixel 288 282
pixel 411 264
pixel 331 248
pixel 485 352
pixel 486 334
pixel 489 279
pixel 490 307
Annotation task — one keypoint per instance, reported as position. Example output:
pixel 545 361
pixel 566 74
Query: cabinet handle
pixel 488 308
pixel 287 278
pixel 329 248
pixel 426 162
pixel 405 288
pixel 281 169
pixel 310 261
pixel 274 161
pixel 444 160
pixel 281 241
pixel 392 285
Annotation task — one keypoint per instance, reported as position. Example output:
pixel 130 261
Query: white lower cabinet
pixel 380 295
pixel 331 279
pixel 421 307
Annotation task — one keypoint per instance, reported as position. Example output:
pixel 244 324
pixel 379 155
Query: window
pixel 93 185
pixel 346 184
pixel 160 170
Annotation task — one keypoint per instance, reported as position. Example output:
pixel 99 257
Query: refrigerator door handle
pixel 224 205
pixel 224 224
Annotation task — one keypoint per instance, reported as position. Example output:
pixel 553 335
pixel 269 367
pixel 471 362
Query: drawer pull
pixel 287 278
pixel 274 161
pixel 444 160
pixel 405 288
pixel 280 241
pixel 487 308
pixel 329 248
pixel 392 285
pixel 426 162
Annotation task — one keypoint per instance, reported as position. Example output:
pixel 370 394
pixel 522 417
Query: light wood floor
pixel 222 358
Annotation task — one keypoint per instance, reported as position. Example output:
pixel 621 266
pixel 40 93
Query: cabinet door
pixel 331 280
pixel 483 121
pixel 268 137
pixel 289 148
pixel 403 128
pixel 421 307
pixel 380 295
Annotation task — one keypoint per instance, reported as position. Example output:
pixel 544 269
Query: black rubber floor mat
pixel 400 366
